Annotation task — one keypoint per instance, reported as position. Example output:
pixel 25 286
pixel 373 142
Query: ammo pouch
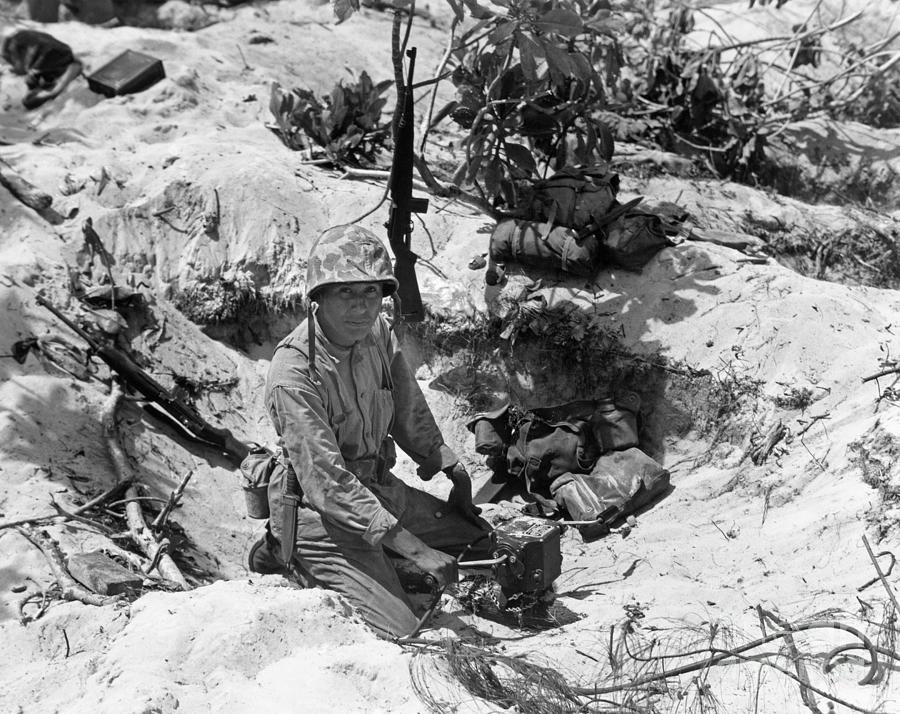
pixel 616 421
pixel 633 239
pixel 256 473
pixel 543 246
pixel 492 432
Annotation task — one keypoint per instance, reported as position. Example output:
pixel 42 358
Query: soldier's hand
pixel 440 566
pixel 460 496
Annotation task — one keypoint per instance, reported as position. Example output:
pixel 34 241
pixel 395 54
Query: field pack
pixel 581 457
pixel 573 197
pixel 573 222
pixel 540 245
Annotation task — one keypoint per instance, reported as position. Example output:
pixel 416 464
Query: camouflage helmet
pixel 348 254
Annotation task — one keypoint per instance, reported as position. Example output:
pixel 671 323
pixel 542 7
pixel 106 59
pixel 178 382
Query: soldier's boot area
pixel 262 557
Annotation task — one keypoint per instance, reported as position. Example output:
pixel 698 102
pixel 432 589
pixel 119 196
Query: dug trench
pixel 746 399
pixel 470 366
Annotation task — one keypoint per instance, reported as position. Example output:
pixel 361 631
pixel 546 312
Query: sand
pixel 149 168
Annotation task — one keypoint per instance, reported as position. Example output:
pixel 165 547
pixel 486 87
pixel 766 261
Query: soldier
pixel 340 395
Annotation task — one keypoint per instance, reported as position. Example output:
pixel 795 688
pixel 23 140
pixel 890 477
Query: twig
pixel 451 191
pixel 797 47
pixel 68 587
pixel 68 515
pixel 425 127
pixel 812 421
pixel 882 373
pixel 719 655
pixel 759 454
pixel 173 501
pixel 805 693
pixel 877 577
pixel 26 192
pixel 724 534
pixel 244 59
pixel 140 533
pixel 878 70
pixel 28 597
pixel 830 80
pixel 377 174
pixel 96 247
pixel 60 513
pixel 792 38
pixel 881 576
pixel 124 501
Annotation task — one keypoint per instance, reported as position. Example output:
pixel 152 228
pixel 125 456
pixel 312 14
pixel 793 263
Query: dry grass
pixel 652 670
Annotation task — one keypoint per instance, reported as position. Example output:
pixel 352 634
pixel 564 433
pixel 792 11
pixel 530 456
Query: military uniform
pixel 338 412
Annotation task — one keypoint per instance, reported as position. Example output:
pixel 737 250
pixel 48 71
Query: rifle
pixel 167 406
pixel 403 205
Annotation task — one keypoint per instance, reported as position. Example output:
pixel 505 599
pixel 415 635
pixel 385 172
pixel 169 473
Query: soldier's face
pixel 347 312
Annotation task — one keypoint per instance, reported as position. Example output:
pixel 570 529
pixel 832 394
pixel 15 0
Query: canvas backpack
pixel 545 442
pixel 573 197
pixel 632 239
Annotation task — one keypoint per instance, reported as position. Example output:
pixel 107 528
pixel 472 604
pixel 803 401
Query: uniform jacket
pixel 337 425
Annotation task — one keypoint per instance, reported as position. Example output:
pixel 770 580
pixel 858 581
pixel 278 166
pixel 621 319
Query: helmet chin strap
pixel 311 309
pixel 396 310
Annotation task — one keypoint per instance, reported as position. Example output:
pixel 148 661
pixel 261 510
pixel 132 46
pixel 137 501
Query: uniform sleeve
pixel 414 429
pixel 328 486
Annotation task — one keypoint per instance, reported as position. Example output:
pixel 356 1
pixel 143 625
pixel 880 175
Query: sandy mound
pixel 225 647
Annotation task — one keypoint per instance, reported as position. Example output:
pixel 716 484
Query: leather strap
pixel 291 502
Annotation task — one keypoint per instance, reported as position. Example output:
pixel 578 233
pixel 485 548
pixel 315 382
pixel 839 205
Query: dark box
pixel 128 73
pixel 534 558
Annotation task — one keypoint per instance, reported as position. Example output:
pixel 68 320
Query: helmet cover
pixel 348 254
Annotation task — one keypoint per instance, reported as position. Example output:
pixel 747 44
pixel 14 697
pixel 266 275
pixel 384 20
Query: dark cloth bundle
pixel 40 57
pixel 583 455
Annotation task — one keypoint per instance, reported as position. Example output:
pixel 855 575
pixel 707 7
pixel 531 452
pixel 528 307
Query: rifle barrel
pixel 41 300
pixel 138 379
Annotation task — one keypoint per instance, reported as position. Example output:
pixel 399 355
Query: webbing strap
pixel 311 338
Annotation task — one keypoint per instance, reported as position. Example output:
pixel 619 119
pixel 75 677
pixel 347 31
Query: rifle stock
pixel 403 205
pixel 190 422
pixel 411 307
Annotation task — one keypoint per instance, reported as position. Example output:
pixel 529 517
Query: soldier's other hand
pixel 440 566
pixel 460 496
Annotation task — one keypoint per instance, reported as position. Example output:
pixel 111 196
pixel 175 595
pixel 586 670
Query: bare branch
pixel 68 586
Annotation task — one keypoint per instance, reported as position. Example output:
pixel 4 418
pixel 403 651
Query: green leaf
pixel 458 10
pixel 474 166
pixel 479 12
pixel 583 70
pixel 460 174
pixel 502 31
pixel 508 189
pixel 521 156
pixel 561 21
pixel 344 8
pixel 493 174
pixel 558 63
pixel 614 27
pixel 607 143
pixel 529 51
